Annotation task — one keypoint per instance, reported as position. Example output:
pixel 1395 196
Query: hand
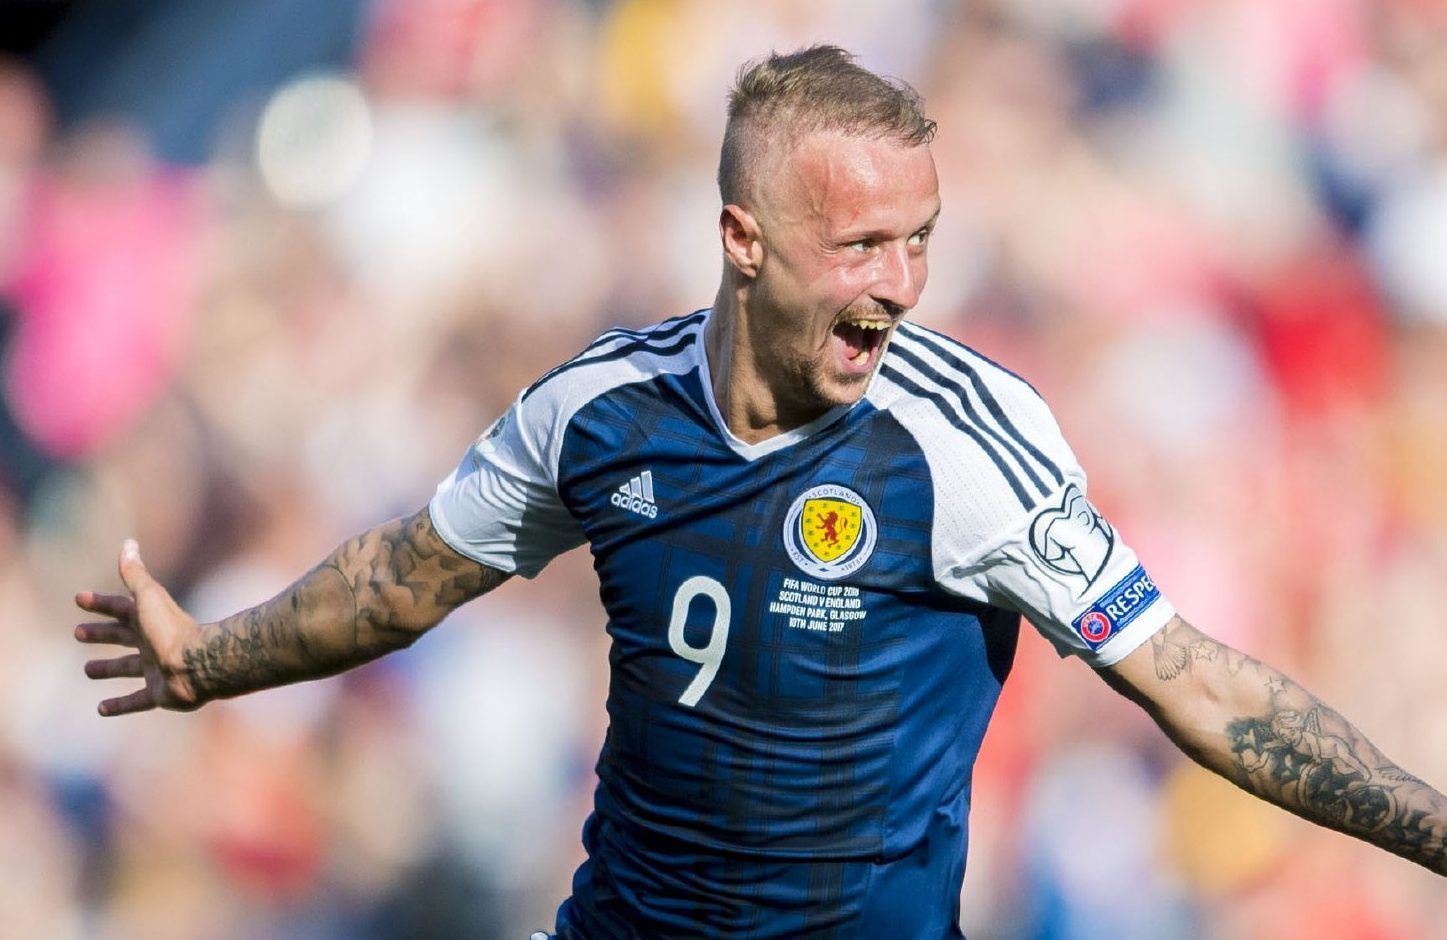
pixel 150 622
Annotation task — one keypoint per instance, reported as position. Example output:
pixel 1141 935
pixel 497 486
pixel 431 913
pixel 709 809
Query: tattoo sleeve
pixel 375 593
pixel 1273 738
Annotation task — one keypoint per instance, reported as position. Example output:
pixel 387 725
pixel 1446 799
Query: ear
pixel 743 244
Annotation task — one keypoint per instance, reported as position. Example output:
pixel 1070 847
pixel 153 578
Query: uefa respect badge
pixel 1117 608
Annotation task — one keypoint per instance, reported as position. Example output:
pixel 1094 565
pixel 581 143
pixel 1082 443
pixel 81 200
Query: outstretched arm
pixel 375 593
pixel 1269 736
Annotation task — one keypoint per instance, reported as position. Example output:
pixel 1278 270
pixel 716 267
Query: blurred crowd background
pixel 267 268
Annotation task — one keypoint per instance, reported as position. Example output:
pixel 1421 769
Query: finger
pixel 109 631
pixel 122 667
pixel 138 701
pixel 133 570
pixel 119 606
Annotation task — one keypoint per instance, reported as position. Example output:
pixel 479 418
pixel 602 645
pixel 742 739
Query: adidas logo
pixel 637 495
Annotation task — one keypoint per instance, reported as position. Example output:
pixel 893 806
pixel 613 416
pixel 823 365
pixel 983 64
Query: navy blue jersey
pixel 809 634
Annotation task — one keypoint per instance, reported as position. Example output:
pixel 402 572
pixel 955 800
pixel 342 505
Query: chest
pixel 792 570
pixel 651 480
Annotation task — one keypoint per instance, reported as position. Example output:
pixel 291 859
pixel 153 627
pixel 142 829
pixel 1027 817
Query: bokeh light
pixel 313 140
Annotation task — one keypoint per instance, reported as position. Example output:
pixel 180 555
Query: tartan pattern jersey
pixel 808 634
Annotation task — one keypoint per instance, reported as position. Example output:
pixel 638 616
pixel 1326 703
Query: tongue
pixel 853 339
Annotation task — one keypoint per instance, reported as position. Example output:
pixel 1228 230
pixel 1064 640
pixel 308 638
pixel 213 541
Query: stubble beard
pixel 810 384
pixel 815 386
pixel 821 376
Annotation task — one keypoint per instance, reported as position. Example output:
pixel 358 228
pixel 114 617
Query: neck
pixel 751 406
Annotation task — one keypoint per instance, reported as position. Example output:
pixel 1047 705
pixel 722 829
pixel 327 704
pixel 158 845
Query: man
pixel 815 528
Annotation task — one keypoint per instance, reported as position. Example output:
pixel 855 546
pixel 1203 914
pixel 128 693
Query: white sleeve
pixel 1050 556
pixel 1068 571
pixel 1011 524
pixel 501 506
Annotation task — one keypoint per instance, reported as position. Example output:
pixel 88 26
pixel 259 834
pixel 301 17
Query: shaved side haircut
pixel 780 99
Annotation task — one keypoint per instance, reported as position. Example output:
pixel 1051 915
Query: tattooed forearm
pixel 1273 738
pixel 376 593
pixel 1177 647
pixel 1301 754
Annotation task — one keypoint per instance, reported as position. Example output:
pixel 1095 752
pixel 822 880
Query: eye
pixel 919 238
pixel 863 244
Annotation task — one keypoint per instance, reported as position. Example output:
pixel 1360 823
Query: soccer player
pixel 815 526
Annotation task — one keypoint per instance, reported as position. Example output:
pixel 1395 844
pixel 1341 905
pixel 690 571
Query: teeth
pixel 868 324
pixel 862 358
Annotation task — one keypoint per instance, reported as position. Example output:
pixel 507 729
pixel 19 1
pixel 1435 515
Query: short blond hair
pixel 813 90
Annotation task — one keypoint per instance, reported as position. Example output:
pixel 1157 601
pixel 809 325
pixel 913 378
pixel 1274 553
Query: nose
pixel 901 277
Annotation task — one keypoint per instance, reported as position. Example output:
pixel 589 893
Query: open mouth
pixel 859 342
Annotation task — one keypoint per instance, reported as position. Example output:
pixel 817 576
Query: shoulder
pixel 618 357
pixel 983 428
pixel 965 358
pixel 925 364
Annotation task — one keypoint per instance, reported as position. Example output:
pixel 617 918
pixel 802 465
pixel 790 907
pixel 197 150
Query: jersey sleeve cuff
pixel 1128 640
pixel 504 562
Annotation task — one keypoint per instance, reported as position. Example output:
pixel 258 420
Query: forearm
pixel 375 593
pixel 308 631
pixel 1253 725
